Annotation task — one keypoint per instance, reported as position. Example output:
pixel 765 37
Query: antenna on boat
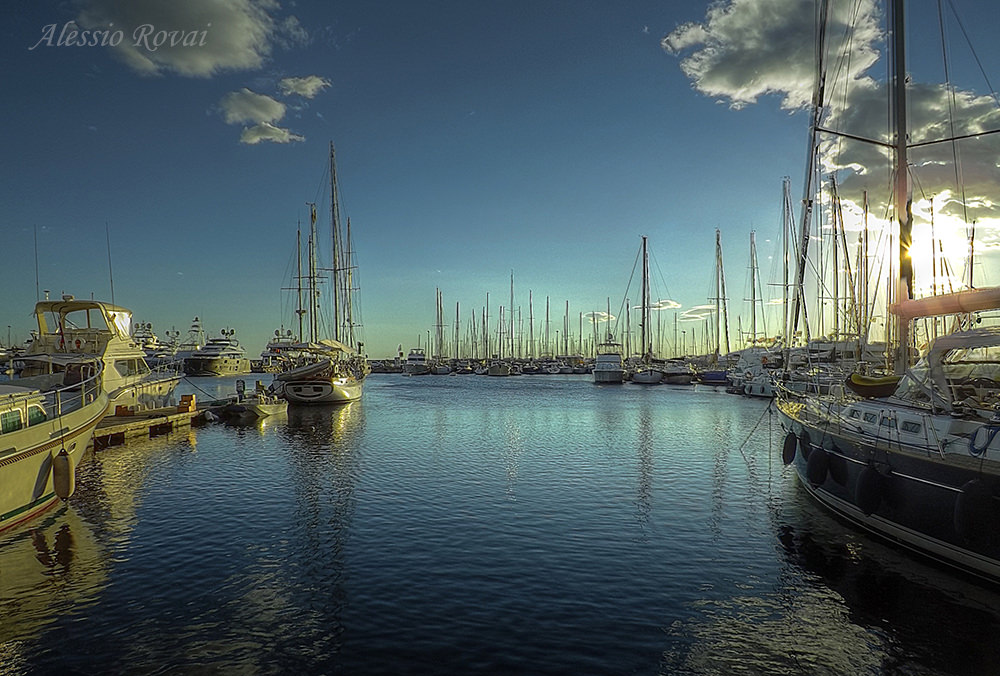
pixel 37 297
pixel 111 277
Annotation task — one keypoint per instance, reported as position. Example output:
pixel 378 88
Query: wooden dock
pixel 115 430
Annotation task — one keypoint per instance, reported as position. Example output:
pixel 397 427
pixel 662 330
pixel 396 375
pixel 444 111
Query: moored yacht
pixel 416 363
pixel 75 332
pixel 46 423
pixel 608 367
pixel 222 356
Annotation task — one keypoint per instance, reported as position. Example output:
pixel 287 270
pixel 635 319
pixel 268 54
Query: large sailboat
pixel 329 370
pixel 919 463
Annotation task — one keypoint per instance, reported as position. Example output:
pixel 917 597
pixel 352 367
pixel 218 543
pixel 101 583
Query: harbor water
pixel 473 525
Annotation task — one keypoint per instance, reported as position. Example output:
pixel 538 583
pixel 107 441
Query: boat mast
pixel 510 337
pixel 312 286
pixel 819 98
pixel 335 230
pixel 299 311
pixel 753 288
pixel 903 203
pixel 531 328
pixel 644 333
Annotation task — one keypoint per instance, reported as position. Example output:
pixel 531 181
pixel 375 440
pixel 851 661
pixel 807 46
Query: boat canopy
pixel 55 316
pixel 955 363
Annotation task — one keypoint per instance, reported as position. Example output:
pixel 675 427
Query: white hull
pixel 26 480
pixel 613 376
pixel 322 391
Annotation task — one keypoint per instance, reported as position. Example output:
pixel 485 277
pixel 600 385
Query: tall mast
pixel 753 288
pixel 644 320
pixel 313 290
pixel 510 338
pixel 335 231
pixel 903 204
pixel 531 328
pixel 299 311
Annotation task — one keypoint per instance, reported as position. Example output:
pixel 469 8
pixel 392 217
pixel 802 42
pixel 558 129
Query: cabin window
pixel 912 427
pixel 871 417
pixel 10 421
pixel 36 414
pixel 129 367
pixel 887 422
pixel 855 413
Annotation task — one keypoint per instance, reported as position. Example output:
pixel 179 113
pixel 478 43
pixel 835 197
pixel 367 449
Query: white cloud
pixel 248 106
pixel 745 49
pixel 209 36
pixel 268 132
pixel 307 87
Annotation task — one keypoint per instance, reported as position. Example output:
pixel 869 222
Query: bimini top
pixel 70 313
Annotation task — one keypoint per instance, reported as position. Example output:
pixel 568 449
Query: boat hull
pixel 923 501
pixel 322 391
pixel 26 478
pixel 212 366
pixel 609 376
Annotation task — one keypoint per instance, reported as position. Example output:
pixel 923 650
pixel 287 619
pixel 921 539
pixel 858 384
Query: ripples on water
pixel 535 525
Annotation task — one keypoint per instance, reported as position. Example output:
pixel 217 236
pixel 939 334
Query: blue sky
pixel 473 140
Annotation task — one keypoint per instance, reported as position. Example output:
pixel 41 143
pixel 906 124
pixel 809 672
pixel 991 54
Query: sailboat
pixel 919 467
pixel 645 374
pixel 329 370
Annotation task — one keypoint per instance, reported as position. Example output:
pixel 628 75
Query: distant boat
pixel 192 343
pixel 278 352
pixel 608 368
pixel 46 423
pixel 416 363
pixel 222 356
pixel 499 368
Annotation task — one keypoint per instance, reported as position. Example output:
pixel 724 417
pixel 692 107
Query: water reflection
pixel 49 567
pixel 644 480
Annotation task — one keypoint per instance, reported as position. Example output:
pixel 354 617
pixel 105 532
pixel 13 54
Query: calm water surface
pixel 531 525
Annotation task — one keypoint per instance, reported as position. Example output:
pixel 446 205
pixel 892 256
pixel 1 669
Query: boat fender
pixel 63 476
pixel 748 375
pixel 973 511
pixel 805 444
pixel 817 466
pixel 837 466
pixel 788 450
pixel 868 490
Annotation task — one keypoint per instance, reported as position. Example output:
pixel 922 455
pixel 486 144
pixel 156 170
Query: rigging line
pixel 975 56
pixel 627 289
pixel 952 104
pixel 752 430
